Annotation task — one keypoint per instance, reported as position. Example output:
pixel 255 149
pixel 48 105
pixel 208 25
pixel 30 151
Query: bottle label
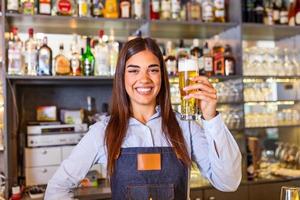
pixel 138 9
pixel 219 63
pixel 155 5
pixel 171 67
pixel 208 13
pixel 44 64
pixel 64 6
pixel 284 17
pixel 208 64
pixel 45 8
pixel 125 9
pixel 13 5
pixel 220 13
pixel 195 12
pixel 28 8
pixel 229 67
pixel 219 4
pixel 165 6
pixel 175 6
pixel 275 15
pixel 83 9
pixel 297 18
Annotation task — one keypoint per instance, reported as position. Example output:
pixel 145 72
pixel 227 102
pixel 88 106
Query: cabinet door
pixel 268 191
pixel 196 194
pixel 37 157
pixel 39 175
pixel 213 194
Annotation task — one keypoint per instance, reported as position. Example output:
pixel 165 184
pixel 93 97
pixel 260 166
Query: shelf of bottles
pixel 184 19
pixel 271 86
pixel 270 19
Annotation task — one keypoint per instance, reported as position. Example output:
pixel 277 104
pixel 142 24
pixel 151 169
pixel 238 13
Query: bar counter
pixel 103 191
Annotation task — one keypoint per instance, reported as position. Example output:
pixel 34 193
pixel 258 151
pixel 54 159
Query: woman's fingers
pixel 202 96
pixel 202 87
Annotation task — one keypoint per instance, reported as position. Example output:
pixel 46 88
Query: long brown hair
pixel 120 106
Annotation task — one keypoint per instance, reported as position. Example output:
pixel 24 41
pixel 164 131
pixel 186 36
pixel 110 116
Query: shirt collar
pixel 133 121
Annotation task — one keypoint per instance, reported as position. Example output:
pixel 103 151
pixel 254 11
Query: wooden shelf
pixel 254 31
pixel 59 80
pixel 186 29
pixel 278 126
pixel 268 77
pixel 69 25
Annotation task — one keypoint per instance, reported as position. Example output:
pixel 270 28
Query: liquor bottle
pixel 88 60
pixel 111 9
pixel 170 59
pixel 113 53
pixel 97 8
pixel 197 53
pixel 220 12
pixel 297 12
pixel 259 11
pixel 268 15
pixel 62 63
pixel 283 15
pixel 291 14
pixel 82 8
pixel 154 9
pixel 44 59
pixel 91 111
pixel 208 11
pixel 125 9
pixel 276 11
pixel 15 57
pixel 250 10
pixel 181 51
pixel 44 7
pixel 102 67
pixel 64 7
pixel 12 6
pixel 30 54
pixel 250 165
pixel 175 9
pixel 218 54
pixel 207 60
pixel 75 59
pixel 229 61
pixel 165 12
pixel 138 9
pixel 193 10
pixel 27 7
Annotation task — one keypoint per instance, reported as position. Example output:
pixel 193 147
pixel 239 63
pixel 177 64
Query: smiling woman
pixel 145 145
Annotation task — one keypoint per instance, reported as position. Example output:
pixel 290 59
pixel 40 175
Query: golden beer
pixel 187 68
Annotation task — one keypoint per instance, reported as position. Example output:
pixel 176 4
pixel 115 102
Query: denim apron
pixel 170 182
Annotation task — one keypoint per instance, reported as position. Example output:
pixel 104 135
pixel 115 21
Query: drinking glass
pixel 188 68
pixel 290 193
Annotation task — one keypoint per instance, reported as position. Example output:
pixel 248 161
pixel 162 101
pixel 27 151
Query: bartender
pixel 146 147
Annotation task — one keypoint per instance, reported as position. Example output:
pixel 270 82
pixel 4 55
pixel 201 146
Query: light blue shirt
pixel 211 146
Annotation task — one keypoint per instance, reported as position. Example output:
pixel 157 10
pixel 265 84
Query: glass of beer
pixel 290 193
pixel 188 68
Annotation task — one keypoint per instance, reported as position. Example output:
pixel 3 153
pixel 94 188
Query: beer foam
pixel 187 65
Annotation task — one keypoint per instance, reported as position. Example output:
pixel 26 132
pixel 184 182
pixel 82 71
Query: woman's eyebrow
pixel 153 65
pixel 134 66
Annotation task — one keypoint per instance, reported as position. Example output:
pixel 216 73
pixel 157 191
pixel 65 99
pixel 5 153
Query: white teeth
pixel 144 90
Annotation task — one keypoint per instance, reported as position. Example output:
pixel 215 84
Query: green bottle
pixel 88 60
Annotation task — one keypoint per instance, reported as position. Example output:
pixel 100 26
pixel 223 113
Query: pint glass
pixel 187 68
pixel 290 193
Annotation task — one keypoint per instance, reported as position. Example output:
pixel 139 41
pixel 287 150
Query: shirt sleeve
pixel 216 153
pixel 89 151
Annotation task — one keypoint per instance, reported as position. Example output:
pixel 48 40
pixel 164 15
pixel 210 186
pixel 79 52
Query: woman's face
pixel 143 78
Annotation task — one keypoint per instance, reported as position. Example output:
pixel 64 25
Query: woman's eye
pixel 133 71
pixel 154 70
